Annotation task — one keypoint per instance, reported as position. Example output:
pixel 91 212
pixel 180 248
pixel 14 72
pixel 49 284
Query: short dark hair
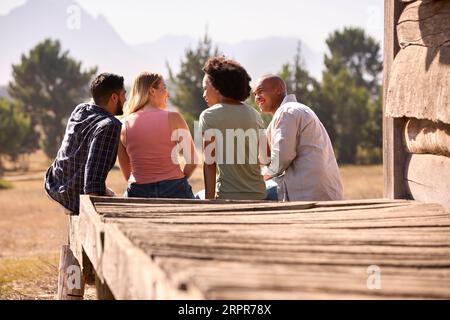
pixel 104 85
pixel 228 77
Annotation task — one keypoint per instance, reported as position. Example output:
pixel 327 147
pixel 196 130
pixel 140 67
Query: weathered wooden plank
pixel 265 248
pixel 231 253
pixel 146 212
pixel 74 239
pixel 320 252
pixel 357 202
pixel 428 178
pixel 91 234
pixel 142 210
pixel 425 136
pixel 393 154
pixel 298 205
pixel 118 200
pixel 170 242
pixel 122 267
pixel 144 203
pixel 289 231
pixel 296 281
pixel 103 204
pixel 425 24
pixel 352 219
pixel 158 202
pixel 419 85
pixel 131 274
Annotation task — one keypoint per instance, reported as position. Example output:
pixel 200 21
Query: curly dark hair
pixel 228 77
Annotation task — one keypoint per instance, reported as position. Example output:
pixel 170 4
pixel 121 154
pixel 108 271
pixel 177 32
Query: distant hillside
pixel 97 43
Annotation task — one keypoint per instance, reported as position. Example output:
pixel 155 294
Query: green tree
pixel 14 127
pixel 351 96
pixel 306 89
pixel 347 103
pixel 187 93
pixel 48 83
pixel 299 81
pixel 357 52
pixel 371 148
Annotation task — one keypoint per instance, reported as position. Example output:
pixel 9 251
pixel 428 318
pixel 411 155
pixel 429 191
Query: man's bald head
pixel 270 91
pixel 273 82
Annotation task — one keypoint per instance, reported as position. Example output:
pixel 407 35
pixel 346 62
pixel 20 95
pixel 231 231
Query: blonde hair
pixel 139 90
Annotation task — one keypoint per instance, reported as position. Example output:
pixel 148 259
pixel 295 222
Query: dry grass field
pixel 32 227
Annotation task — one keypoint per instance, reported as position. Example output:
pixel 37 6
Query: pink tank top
pixel 149 146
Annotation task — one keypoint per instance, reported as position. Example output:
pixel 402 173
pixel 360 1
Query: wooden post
pixel 394 155
pixel 102 290
pixel 70 279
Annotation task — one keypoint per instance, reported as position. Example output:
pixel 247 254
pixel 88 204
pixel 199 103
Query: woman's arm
pixel 124 159
pixel 184 138
pixel 209 173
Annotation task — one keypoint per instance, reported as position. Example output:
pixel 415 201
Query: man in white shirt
pixel 302 160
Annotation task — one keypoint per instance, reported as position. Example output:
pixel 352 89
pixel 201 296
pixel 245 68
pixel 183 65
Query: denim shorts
pixel 178 188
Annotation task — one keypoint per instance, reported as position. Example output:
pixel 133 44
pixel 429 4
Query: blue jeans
pixel 178 188
pixel 271 190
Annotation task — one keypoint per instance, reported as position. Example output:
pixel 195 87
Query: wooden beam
pixel 91 234
pixel 123 271
pixel 425 136
pixel 70 278
pixel 428 178
pixel 419 83
pixel 393 151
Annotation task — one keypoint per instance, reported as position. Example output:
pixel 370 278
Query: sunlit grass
pixel 29 278
pixel 5 184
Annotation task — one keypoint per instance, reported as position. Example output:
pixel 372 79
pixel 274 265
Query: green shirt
pixel 239 173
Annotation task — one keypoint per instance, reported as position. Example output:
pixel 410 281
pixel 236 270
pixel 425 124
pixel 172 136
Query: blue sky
pixel 139 21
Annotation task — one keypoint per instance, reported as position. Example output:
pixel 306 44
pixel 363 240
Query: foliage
pixel 47 84
pixel 187 93
pixel 14 128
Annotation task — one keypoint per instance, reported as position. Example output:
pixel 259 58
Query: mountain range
pixel 96 43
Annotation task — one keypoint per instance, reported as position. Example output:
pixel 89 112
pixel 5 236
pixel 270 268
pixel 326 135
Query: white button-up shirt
pixel 302 158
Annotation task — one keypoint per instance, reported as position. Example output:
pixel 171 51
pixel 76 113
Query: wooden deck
pixel 166 249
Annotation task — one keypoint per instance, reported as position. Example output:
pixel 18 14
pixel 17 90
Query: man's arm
pixel 101 157
pixel 284 144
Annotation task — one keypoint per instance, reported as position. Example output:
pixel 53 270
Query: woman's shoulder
pixel 176 119
pixel 129 116
pixel 211 111
pixel 125 119
pixel 174 115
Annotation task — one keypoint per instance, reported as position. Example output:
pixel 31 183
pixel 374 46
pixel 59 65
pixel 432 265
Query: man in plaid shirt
pixel 89 148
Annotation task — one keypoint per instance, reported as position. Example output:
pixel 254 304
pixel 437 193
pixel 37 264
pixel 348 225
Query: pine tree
pixel 14 127
pixel 48 84
pixel 188 91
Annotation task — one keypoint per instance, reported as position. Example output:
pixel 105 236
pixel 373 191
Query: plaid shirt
pixel 87 153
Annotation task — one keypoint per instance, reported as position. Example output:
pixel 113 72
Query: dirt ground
pixel 33 228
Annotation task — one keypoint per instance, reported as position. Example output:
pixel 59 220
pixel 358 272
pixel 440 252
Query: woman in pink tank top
pixel 150 141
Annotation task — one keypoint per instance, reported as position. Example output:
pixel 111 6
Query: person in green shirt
pixel 231 132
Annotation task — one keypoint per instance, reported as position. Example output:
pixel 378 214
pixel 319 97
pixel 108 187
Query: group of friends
pixel 290 160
